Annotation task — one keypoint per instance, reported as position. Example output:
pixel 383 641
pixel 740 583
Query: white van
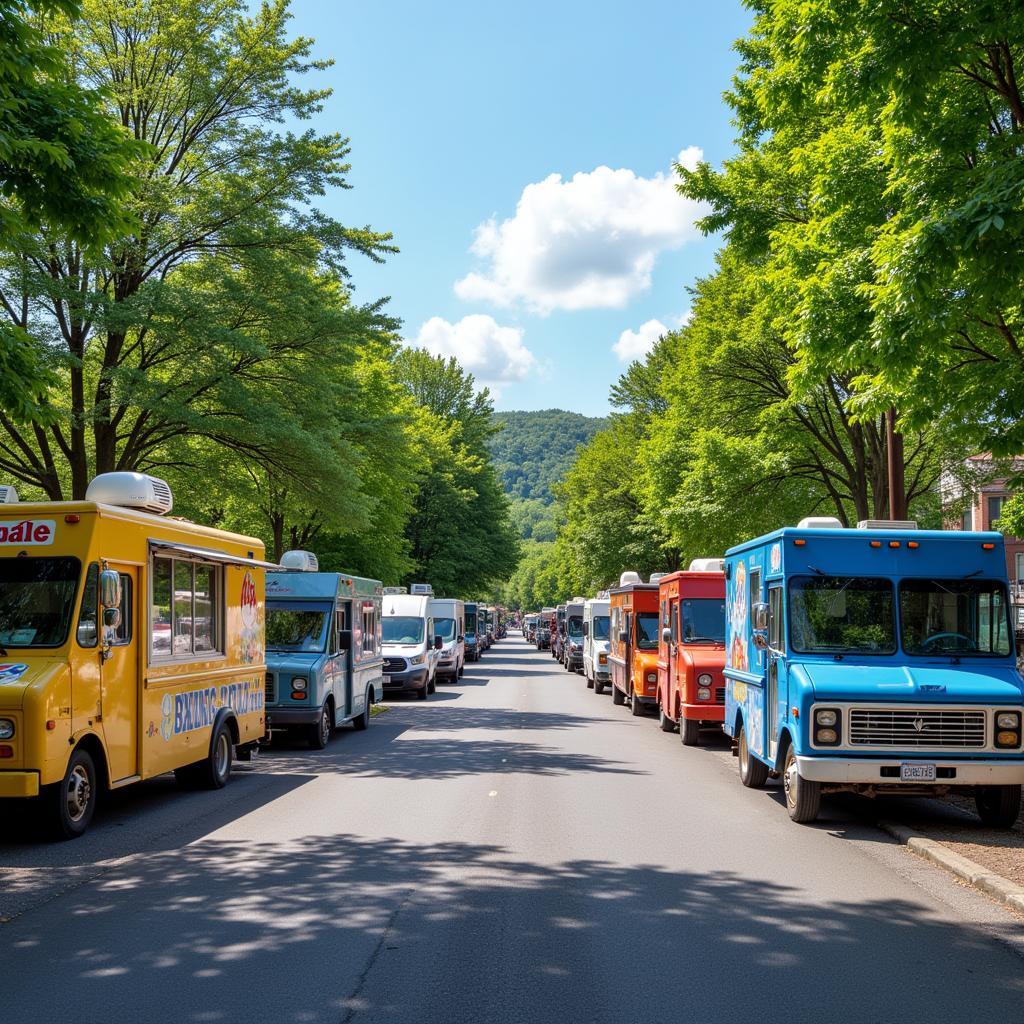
pixel 596 613
pixel 450 625
pixel 412 647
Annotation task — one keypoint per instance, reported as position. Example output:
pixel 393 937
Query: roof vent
pixel 601 595
pixel 423 589
pixel 131 490
pixel 392 591
pixel 887 524
pixel 655 576
pixel 707 565
pixel 8 495
pixel 629 577
pixel 300 561
pixel 819 523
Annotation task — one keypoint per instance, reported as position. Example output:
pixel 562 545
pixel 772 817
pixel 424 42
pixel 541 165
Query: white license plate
pixel 917 773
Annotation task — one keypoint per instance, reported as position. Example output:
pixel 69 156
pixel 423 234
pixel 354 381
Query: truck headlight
pixel 6 728
pixel 704 679
pixel 298 683
pixel 417 659
pixel 602 659
pixel 703 693
pixel 827 727
pixel 826 717
pixel 1008 725
pixel 652 677
pixel 1008 719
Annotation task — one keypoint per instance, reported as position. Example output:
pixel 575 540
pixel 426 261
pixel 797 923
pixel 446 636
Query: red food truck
pixel 633 657
pixel 691 649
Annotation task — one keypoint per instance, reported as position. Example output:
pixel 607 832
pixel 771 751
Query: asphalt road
pixel 514 850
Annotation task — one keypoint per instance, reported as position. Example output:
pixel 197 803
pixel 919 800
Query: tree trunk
pixel 894 449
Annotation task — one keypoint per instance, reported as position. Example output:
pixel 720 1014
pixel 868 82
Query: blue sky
pixel 521 155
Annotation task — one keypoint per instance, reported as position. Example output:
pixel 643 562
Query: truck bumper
pixel 706 712
pixel 23 784
pixel 284 718
pixel 410 679
pixel 868 772
pixel 449 670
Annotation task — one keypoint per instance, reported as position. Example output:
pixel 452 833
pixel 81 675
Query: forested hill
pixel 535 449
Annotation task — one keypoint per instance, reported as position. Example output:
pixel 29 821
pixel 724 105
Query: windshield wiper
pixel 703 640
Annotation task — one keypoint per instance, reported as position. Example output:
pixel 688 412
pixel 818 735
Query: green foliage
pixel 461 539
pixel 534 519
pixel 534 449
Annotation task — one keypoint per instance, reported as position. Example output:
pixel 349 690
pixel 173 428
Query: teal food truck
pixel 875 660
pixel 324 660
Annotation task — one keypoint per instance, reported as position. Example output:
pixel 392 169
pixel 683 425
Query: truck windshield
pixel 470 622
pixel 944 617
pixel 37 598
pixel 841 615
pixel 703 620
pixel 600 628
pixel 647 631
pixel 402 629
pixel 575 627
pixel 297 626
pixel 445 629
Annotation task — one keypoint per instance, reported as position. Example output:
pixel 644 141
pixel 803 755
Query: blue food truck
pixel 473 646
pixel 324 660
pixel 875 660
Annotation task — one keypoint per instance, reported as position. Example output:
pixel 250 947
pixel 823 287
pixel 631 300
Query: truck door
pixel 772 697
pixel 119 678
pixel 343 661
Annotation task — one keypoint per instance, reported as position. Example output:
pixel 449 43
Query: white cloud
pixel 492 353
pixel 587 243
pixel 636 344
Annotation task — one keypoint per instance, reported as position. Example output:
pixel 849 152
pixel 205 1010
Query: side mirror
pixel 586 629
pixel 110 588
pixel 459 639
pixel 438 643
pixel 759 616
pixel 666 635
pixel 111 618
pixel 345 640
pixel 623 636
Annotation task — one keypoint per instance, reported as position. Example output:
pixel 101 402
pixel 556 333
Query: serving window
pixel 186 609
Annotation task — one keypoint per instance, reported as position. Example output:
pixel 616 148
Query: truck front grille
pixel 918 727
pixel 720 695
pixel 269 688
pixel 394 664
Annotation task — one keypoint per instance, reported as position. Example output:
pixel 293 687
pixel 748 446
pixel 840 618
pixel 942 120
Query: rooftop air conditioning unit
pixel 629 577
pixel 300 561
pixel 423 589
pixel 601 595
pixel 887 524
pixel 131 490
pixel 819 523
pixel 655 576
pixel 8 495
pixel 707 565
pixel 396 590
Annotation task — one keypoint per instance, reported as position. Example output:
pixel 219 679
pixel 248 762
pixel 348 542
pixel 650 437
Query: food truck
pixel 131 645
pixel 530 627
pixel 633 658
pixel 450 625
pixel 572 643
pixel 324 660
pixel 691 649
pixel 472 638
pixel 558 633
pixel 877 660
pixel 595 641
pixel 545 623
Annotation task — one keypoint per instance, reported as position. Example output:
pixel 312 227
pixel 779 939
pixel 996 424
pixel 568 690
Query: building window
pixel 967 519
pixel 185 611
pixel 995 509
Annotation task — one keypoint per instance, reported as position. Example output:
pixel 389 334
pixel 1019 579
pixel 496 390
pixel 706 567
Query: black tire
pixel 424 692
pixel 590 682
pixel 462 670
pixel 998 806
pixel 433 683
pixel 68 805
pixel 803 798
pixel 618 697
pixel 361 722
pixel 636 708
pixel 753 773
pixel 664 722
pixel 214 771
pixel 598 686
pixel 319 735
pixel 689 732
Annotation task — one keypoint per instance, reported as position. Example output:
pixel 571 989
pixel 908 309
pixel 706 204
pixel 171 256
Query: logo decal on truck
pixel 28 532
pixel 10 671
pixel 197 709
pixel 251 634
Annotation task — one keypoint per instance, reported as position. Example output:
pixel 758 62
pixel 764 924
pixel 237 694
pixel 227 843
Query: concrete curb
pixel 993 885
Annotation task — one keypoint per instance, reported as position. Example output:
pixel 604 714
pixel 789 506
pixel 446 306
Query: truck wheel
pixel 998 806
pixel 636 709
pixel 319 735
pixel 432 684
pixel 753 773
pixel 618 697
pixel 803 798
pixel 362 721
pixel 689 732
pixel 590 681
pixel 424 692
pixel 462 670
pixel 598 685
pixel 68 805
pixel 215 770
pixel 664 722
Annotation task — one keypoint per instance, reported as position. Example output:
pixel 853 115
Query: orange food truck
pixel 131 645
pixel 691 649
pixel 633 654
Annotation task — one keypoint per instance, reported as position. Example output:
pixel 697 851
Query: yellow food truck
pixel 131 644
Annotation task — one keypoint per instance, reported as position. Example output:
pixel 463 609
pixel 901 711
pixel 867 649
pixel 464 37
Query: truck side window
pixel 123 634
pixel 775 618
pixel 674 624
pixel 185 612
pixel 755 590
pixel 369 630
pixel 88 617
